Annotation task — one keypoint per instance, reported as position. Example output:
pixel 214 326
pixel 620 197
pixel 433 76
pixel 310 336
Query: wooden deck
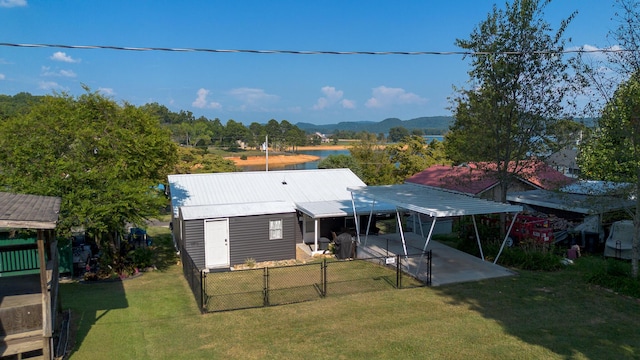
pixel 20 315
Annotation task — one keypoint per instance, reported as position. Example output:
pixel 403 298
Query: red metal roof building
pixel 479 180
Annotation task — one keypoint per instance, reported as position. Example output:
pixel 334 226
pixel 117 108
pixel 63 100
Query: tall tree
pixel 373 161
pixel 398 133
pixel 613 152
pixel 103 159
pixel 518 86
pixel 411 155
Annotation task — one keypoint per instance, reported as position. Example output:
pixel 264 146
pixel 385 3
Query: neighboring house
pixel 223 219
pixel 565 161
pixel 471 179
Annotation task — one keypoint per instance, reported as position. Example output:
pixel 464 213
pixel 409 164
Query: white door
pixel 216 243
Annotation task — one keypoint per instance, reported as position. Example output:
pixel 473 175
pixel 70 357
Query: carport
pixel 434 203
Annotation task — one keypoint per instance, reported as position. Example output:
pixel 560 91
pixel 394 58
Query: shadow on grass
pixel 164 252
pixel 104 297
pixel 91 301
pixel 559 311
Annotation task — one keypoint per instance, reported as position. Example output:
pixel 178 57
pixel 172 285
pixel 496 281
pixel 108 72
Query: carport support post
pixel 475 228
pixel 355 219
pixel 426 242
pixel 506 236
pixel 404 245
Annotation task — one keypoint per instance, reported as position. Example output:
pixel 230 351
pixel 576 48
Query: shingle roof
pixel 475 179
pixel 22 211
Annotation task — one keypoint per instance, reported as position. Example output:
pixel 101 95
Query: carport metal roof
pixel 431 201
pixel 434 203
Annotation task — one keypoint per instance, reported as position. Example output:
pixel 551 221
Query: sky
pixel 318 89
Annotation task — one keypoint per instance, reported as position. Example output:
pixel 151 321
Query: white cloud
pixel 331 97
pixel 13 3
pixel 67 73
pixel 107 91
pixel 61 56
pixel 595 51
pixel 201 101
pixel 348 104
pixel 2 76
pixel 46 71
pixel 50 85
pixel 253 99
pixel 385 96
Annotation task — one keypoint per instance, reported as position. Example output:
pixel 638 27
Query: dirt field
pixel 281 160
pixel 274 160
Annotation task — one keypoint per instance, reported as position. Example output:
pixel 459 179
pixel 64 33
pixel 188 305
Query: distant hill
pixel 432 124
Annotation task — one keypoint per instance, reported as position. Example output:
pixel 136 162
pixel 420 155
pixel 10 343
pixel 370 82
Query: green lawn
pixel 531 316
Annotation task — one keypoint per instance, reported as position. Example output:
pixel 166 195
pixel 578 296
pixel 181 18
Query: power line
pixel 318 52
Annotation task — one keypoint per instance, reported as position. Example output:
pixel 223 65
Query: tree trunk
pixel 636 232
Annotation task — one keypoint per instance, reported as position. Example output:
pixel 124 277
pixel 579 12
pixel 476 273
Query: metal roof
pixel 252 187
pixel 230 210
pixel 578 203
pixel 433 202
pixel 342 208
pixel 23 211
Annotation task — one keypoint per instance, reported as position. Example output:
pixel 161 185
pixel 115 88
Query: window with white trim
pixel 275 229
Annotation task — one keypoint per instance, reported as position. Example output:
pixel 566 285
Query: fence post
pixel 430 262
pixel 398 272
pixel 323 276
pixel 203 290
pixel 265 290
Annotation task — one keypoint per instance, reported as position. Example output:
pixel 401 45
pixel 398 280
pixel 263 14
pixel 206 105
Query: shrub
pixel 612 274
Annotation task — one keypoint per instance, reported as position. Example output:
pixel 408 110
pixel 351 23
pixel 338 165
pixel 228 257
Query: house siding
pixel 249 238
pixel 193 240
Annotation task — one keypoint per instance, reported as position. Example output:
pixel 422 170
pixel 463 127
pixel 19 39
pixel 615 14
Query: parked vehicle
pixel 620 240
pixel 526 227
pixel 530 228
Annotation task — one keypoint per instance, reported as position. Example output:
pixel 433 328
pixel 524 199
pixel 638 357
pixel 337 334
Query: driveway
pixel 448 264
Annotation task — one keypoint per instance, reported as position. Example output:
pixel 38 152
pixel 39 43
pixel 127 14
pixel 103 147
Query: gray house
pixel 222 219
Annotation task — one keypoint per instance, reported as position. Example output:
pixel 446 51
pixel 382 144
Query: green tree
pixel 373 161
pixel 103 159
pixel 19 103
pixel 398 133
pixel 613 151
pixel 518 87
pixel 411 155
pixel 234 132
pixel 341 161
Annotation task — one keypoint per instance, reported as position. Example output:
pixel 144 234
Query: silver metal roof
pixel 237 189
pixel 341 208
pixel 578 203
pixel 433 202
pixel 231 210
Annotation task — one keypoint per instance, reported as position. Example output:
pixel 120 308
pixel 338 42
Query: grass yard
pixel 550 315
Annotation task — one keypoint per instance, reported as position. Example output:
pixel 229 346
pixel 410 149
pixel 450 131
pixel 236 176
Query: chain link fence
pixel 269 286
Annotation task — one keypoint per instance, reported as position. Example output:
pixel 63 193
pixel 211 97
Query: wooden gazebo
pixel 28 302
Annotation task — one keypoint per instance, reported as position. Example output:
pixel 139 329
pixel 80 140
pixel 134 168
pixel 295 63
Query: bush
pixel 527 256
pixel 612 274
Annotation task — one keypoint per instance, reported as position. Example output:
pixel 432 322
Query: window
pixel 275 229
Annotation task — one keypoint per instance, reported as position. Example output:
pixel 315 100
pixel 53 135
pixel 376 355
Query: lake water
pixel 322 154
pixel 304 166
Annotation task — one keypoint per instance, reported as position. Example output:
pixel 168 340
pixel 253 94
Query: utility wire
pixel 319 52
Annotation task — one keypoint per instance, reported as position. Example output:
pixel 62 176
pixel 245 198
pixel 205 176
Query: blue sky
pixel 319 89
